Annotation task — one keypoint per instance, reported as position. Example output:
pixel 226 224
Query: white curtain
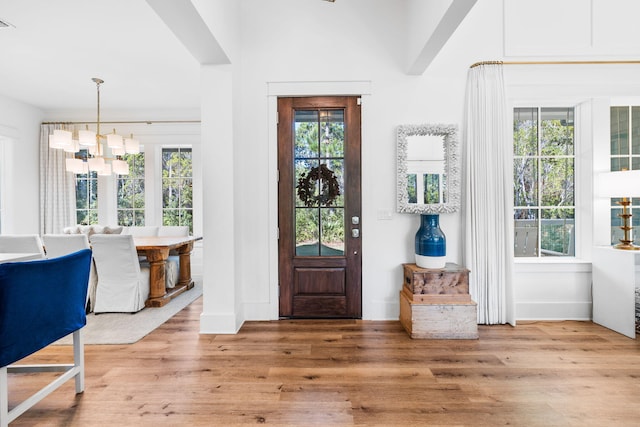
pixel 488 188
pixel 57 187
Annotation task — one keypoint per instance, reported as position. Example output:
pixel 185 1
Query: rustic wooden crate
pixel 451 280
pixel 435 298
pixel 454 320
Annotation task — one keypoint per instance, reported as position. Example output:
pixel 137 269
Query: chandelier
pixel 85 141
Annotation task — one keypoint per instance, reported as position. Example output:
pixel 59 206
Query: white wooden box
pixel 454 320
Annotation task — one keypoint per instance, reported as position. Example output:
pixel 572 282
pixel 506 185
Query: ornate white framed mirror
pixel 428 169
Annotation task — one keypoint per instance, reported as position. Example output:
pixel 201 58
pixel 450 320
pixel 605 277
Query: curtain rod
pixel 148 122
pixel 552 63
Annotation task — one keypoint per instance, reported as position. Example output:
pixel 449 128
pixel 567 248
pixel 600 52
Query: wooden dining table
pixel 157 249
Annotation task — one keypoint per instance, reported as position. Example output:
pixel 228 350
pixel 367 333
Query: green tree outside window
pixel 177 187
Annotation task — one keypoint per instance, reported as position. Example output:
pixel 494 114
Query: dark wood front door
pixel 319 249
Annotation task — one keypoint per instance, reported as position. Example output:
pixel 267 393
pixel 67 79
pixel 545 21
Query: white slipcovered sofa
pixel 90 230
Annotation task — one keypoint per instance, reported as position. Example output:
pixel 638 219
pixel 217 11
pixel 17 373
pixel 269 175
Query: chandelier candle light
pixel 93 142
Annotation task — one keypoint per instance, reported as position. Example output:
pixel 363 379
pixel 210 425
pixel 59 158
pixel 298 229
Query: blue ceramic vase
pixel 431 244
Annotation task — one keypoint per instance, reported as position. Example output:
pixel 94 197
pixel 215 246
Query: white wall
pixel 222 303
pixel 354 41
pixel 561 289
pixel 20 129
pixel 348 41
pixel 422 19
pixel 365 41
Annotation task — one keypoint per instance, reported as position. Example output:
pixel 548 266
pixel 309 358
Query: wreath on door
pixel 329 187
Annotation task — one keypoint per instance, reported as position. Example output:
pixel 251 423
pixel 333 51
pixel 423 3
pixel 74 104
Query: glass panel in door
pixel 319 182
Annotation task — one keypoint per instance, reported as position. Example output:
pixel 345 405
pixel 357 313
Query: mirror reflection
pixel 425 169
pixel 428 169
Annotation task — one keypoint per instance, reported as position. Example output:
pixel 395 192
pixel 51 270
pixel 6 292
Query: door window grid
pixel 544 158
pixel 318 179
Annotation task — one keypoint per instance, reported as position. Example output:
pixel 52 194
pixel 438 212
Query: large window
pixel 132 201
pixel 131 192
pixel 177 187
pixel 543 167
pixel 87 198
pixel 625 154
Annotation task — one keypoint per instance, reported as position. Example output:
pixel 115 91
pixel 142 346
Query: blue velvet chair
pixel 40 302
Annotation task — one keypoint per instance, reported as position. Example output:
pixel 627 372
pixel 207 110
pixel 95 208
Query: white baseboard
pixel 211 323
pixel 545 310
pixel 260 311
pixel 390 310
pixel 381 310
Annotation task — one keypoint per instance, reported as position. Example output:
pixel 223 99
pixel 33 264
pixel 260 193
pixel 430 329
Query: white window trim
pixel 8 139
pixel 142 151
pixel 626 103
pixel 582 185
pixel 159 178
pixel 107 187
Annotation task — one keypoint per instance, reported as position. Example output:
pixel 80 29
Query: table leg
pixel 157 293
pixel 184 279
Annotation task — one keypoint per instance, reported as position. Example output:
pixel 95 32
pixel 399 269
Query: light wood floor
pixel 342 373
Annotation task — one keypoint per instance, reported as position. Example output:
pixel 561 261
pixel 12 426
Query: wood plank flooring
pixel 345 373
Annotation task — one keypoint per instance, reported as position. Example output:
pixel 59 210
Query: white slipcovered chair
pixel 123 285
pixel 173 230
pixel 22 243
pixel 57 245
pixel 141 230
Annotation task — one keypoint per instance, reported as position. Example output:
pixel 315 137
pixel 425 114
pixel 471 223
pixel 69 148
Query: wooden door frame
pixel 351 261
pixel 267 306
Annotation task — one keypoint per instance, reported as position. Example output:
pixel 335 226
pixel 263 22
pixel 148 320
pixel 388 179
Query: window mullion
pixel 539 181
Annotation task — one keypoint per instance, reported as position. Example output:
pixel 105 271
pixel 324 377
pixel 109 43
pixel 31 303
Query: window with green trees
pixel 625 154
pixel 86 197
pixel 319 182
pixel 130 192
pixel 544 180
pixel 177 187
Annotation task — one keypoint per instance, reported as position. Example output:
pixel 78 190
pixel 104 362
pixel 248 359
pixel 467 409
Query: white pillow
pixel 112 230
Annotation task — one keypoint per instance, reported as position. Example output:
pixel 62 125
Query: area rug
pixel 127 328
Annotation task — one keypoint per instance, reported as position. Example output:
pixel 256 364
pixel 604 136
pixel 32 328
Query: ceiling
pixel 148 52
pixel 53 48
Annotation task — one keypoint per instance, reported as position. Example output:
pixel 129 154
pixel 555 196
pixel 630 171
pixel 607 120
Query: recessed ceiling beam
pixel 450 21
pixel 185 22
